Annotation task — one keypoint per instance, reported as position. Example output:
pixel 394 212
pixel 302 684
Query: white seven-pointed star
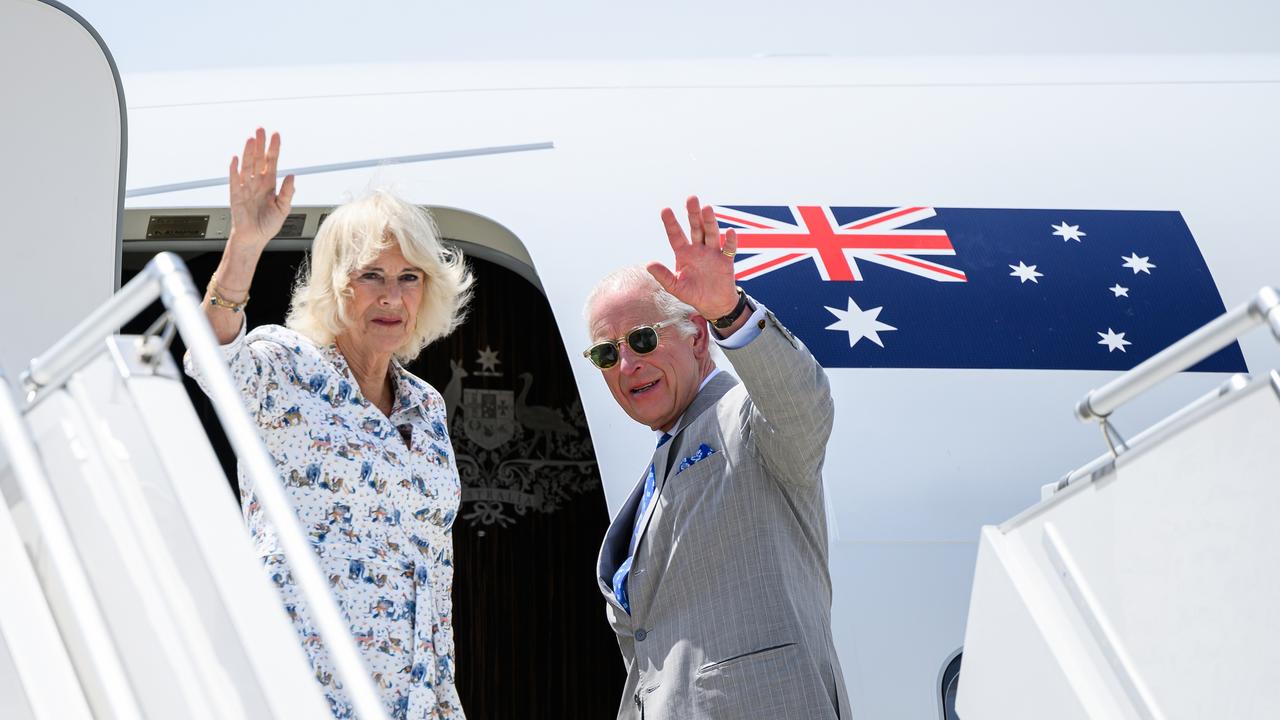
pixel 1068 232
pixel 488 359
pixel 1113 340
pixel 1024 272
pixel 859 323
pixel 1119 291
pixel 1138 264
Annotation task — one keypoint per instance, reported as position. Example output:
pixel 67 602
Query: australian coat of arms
pixel 514 457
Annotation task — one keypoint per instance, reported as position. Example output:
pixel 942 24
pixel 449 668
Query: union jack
pixel 835 248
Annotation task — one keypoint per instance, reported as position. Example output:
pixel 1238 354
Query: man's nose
pixel 628 360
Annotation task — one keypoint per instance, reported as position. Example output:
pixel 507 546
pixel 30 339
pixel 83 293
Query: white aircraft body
pixel 557 171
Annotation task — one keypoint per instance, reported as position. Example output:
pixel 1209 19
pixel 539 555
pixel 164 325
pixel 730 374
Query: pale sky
pixel 149 35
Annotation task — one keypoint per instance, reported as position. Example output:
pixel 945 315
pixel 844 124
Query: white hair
pixel 350 238
pixel 628 279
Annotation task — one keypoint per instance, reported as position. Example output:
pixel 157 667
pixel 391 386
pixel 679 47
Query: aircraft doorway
pixel 531 637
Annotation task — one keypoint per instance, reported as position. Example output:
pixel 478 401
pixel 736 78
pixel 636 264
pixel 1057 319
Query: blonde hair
pixel 627 279
pixel 350 238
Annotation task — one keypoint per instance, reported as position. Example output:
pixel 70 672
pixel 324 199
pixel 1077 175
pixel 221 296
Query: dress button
pixel 641 634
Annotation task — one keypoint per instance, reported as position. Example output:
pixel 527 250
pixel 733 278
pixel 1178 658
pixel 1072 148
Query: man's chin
pixel 648 419
pixel 640 415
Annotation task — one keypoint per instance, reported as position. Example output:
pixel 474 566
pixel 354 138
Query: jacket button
pixel 641 634
pixel 760 324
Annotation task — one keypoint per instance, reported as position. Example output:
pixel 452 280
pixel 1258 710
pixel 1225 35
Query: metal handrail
pixel 1235 383
pixel 166 278
pixel 76 347
pixel 1263 308
pixel 107 680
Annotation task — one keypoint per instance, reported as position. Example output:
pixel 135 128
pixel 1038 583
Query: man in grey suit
pixel 715 569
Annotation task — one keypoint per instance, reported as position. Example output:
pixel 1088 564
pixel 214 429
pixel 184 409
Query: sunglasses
pixel 642 340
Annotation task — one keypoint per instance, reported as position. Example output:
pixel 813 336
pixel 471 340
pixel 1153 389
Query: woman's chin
pixel 380 341
pixel 387 345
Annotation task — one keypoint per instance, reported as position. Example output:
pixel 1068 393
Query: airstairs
pixel 1144 584
pixel 131 587
pixel 1140 586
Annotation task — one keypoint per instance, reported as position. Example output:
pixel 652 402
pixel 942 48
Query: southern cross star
pixel 1119 291
pixel 1113 340
pixel 1068 232
pixel 859 323
pixel 1025 272
pixel 1138 264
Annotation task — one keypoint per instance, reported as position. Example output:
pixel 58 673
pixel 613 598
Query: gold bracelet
pixel 216 299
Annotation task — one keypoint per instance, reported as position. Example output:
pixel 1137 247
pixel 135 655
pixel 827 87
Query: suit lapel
pixel 720 384
pixel 659 460
pixel 617 540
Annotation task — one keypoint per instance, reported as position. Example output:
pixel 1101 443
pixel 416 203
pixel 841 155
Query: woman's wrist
pixel 236 268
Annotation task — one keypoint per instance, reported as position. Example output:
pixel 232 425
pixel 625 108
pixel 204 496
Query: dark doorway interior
pixel 532 641
pixel 950 686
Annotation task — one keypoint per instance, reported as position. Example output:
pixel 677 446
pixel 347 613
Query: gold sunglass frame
pixel 617 343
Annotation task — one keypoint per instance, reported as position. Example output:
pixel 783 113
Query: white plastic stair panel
pixel 1160 572
pixel 202 632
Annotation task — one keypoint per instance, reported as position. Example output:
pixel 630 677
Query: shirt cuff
pixel 229 351
pixel 745 334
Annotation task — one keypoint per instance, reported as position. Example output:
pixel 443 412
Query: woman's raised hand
pixel 257 214
pixel 257 210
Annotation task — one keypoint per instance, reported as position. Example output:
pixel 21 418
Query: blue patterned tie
pixel 624 570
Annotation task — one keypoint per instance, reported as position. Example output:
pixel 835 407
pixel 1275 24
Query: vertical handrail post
pixel 184 304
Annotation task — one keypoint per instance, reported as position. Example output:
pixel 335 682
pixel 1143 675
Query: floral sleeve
pixel 252 370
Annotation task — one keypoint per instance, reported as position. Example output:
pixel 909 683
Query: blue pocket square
pixel 704 451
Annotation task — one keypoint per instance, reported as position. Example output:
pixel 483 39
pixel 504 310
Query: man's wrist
pixel 739 334
pixel 728 319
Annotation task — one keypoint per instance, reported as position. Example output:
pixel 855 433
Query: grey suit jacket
pixel 730 590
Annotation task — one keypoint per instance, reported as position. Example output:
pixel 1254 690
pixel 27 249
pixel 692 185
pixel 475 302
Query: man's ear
pixel 700 338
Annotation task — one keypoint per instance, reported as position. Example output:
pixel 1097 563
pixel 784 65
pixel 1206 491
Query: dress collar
pixel 409 391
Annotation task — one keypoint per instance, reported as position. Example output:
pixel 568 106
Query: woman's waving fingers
pixel 272 158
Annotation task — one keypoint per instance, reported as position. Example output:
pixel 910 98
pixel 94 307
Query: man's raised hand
pixel 703 275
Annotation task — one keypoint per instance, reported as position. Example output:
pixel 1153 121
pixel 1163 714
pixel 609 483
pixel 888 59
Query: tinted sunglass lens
pixel 643 340
pixel 604 355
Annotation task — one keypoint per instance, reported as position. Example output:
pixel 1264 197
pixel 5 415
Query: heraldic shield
pixel 488 417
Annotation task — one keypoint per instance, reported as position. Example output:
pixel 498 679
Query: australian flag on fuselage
pixel 920 287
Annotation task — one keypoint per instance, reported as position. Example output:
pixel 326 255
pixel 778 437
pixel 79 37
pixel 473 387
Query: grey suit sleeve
pixel 791 409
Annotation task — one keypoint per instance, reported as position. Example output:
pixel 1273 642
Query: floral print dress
pixel 378 497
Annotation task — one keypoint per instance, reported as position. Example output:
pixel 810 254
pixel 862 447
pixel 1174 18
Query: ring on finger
pixel 728 253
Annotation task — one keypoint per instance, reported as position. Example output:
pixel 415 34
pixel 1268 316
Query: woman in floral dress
pixel 361 444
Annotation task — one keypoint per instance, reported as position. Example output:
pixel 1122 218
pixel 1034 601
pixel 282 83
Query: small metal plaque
pixel 293 225
pixel 177 227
